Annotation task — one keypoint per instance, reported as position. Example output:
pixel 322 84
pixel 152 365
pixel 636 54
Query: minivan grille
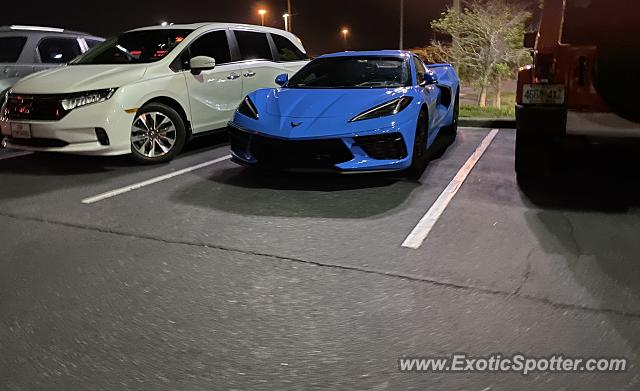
pixel 34 107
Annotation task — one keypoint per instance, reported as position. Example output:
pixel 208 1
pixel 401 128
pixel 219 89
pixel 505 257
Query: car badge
pixel 295 125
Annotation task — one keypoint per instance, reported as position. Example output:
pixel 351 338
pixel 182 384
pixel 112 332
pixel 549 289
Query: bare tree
pixel 488 41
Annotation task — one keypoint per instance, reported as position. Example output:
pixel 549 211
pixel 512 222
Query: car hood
pixel 327 103
pixel 76 78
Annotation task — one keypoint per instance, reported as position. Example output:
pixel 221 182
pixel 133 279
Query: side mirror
pixel 201 63
pixel 429 78
pixel 530 40
pixel 282 79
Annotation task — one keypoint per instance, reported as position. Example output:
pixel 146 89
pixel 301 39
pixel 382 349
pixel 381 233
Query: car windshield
pixel 600 22
pixel 353 72
pixel 134 47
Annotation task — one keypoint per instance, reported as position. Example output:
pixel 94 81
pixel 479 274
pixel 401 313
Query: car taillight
pixel 543 68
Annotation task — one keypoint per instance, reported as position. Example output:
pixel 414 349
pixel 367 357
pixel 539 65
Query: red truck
pixel 583 84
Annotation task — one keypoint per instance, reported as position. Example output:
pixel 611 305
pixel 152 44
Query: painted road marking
pixel 429 220
pixel 136 186
pixel 11 155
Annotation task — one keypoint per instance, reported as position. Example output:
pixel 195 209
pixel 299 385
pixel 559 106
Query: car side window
pixel 58 50
pixel 213 44
pixel 253 45
pixel 287 50
pixel 10 48
pixel 91 42
pixel 420 69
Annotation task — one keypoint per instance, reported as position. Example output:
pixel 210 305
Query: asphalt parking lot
pixel 200 274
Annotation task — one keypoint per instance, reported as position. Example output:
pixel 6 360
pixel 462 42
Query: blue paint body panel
pixel 299 114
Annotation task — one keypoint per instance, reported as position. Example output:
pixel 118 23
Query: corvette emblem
pixel 295 125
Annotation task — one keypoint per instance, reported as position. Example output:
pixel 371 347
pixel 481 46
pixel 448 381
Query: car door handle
pixel 233 76
pixel 249 74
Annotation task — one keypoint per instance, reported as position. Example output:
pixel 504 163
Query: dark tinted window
pixel 253 45
pixel 353 72
pixel 420 69
pixel 601 21
pixel 135 47
pixel 214 45
pixel 287 51
pixel 58 50
pixel 10 48
pixel 92 42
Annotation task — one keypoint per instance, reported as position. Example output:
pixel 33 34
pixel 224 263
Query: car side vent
pixel 445 96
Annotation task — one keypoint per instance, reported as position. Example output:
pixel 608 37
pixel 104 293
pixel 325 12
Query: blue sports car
pixel 349 112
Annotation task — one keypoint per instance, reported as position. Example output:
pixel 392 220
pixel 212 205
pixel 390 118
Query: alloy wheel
pixel 153 134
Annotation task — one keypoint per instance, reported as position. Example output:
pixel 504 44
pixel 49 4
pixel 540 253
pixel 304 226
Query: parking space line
pixel 428 221
pixel 136 186
pixel 15 154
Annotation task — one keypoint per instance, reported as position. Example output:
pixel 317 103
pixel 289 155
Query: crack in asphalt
pixel 406 277
pixel 527 273
pixel 572 235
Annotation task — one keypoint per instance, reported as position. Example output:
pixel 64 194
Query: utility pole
pixel 401 24
pixel 456 5
pixel 290 15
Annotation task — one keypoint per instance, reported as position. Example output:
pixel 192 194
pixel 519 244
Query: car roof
pixel 214 25
pixel 372 53
pixel 41 30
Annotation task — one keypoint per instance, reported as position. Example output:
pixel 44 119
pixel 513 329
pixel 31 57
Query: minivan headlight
pixel 389 108
pixel 86 98
pixel 3 96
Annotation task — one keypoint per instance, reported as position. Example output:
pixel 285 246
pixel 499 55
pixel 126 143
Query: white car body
pixel 206 100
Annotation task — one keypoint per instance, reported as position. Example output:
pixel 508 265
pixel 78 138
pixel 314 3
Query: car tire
pixel 452 129
pixel 420 152
pixel 158 134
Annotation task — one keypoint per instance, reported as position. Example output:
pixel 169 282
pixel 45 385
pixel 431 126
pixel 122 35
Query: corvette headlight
pixel 86 98
pixel 248 108
pixel 386 109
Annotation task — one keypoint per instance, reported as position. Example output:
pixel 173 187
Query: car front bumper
pixel 377 150
pixel 77 132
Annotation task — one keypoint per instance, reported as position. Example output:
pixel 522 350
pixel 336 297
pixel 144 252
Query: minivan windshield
pixel 134 47
pixel 353 72
pixel 589 22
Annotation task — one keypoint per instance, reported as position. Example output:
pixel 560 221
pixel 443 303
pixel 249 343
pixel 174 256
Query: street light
pixel 262 13
pixel 286 22
pixel 289 13
pixel 401 24
pixel 345 34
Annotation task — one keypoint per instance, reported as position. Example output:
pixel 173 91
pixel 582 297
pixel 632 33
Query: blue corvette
pixel 348 112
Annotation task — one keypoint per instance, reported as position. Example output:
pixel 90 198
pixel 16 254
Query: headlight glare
pixel 86 98
pixel 392 107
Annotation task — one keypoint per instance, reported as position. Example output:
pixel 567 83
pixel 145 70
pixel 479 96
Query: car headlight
pixel 3 96
pixel 86 98
pixel 248 109
pixel 392 107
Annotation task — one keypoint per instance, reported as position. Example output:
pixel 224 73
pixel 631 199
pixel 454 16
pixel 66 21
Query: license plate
pixel 19 130
pixel 543 94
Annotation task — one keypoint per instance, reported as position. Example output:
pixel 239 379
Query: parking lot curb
pixel 488 122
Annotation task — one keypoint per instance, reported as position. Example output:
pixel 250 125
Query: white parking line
pixel 135 186
pixel 426 224
pixel 11 155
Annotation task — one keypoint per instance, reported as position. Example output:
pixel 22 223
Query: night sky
pixel 374 23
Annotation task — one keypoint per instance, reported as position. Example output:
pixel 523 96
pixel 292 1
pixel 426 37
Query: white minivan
pixel 147 91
